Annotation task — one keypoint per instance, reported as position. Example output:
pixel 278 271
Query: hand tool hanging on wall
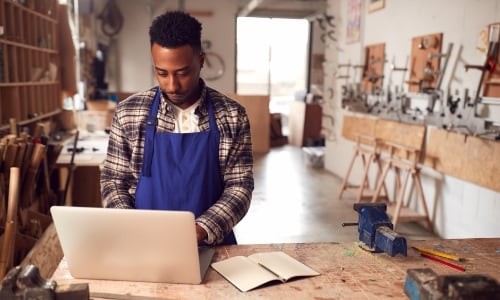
pixel 436 92
pixel 375 230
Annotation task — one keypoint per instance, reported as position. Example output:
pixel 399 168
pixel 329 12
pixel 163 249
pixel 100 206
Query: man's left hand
pixel 201 234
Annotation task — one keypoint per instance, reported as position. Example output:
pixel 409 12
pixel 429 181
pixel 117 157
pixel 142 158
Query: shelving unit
pixel 30 87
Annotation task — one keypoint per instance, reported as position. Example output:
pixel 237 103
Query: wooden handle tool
pixel 10 225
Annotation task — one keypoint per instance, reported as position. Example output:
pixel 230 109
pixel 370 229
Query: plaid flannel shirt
pixel 123 163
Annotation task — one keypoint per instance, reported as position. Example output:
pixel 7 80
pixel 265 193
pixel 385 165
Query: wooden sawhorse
pixel 368 149
pixel 403 159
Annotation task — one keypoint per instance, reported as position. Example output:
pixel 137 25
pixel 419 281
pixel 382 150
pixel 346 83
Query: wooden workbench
pixel 347 272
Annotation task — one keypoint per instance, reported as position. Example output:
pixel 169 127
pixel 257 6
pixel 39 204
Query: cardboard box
pixel 98 116
pixel 100 105
pixel 314 156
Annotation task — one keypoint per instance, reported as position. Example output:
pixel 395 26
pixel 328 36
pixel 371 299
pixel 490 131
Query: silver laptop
pixel 131 244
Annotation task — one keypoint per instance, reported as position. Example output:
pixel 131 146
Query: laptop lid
pixel 131 244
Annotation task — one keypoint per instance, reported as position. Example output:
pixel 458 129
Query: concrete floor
pixel 296 203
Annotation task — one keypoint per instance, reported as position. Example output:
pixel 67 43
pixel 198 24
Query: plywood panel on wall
pixel 354 125
pixel 469 158
pixel 410 135
pixel 257 108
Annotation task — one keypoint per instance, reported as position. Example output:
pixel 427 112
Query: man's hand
pixel 201 234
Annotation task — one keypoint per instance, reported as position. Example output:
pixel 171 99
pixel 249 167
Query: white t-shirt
pixel 185 119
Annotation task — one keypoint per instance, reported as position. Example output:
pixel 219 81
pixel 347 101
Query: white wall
pixel 459 209
pixel 132 66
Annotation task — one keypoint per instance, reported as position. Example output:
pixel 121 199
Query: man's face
pixel 177 71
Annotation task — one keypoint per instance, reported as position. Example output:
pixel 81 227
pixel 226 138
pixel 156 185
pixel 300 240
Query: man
pixel 181 145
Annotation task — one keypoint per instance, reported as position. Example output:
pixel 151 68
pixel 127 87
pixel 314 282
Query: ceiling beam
pixel 251 6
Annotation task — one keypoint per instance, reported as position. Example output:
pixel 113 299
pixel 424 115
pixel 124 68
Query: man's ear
pixel 202 59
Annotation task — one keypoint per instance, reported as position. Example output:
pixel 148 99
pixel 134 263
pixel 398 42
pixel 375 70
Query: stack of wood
pixel 31 160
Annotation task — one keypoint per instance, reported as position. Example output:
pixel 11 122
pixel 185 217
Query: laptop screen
pixel 129 244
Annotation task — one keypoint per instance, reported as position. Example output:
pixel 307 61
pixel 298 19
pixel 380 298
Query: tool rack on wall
pixel 425 62
pixel 30 88
pixel 373 71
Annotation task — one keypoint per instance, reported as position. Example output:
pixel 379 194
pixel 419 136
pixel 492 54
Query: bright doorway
pixel 272 59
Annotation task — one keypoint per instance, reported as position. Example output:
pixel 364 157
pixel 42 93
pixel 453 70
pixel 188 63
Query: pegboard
pixel 425 62
pixel 373 70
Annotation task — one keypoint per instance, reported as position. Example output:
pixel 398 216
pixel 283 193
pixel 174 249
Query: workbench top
pixel 347 272
pixel 92 148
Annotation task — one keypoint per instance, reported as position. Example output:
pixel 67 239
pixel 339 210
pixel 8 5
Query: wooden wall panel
pixel 410 135
pixel 469 158
pixel 353 125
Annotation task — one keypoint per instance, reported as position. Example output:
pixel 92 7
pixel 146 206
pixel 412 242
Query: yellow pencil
pixel 438 253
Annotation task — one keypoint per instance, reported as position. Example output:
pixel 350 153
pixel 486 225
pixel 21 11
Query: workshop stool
pixel 367 148
pixel 403 160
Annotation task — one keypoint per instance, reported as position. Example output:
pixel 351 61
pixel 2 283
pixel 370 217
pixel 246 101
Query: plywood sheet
pixel 46 254
pixel 409 135
pixel 257 108
pixel 353 125
pixel 406 134
pixel 469 158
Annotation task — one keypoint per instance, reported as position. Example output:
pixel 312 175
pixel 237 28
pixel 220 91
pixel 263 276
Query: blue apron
pixel 180 171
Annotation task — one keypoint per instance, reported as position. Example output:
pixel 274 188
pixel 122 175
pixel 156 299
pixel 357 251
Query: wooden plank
pixel 406 134
pixel 347 272
pixel 46 254
pixel 473 159
pixel 296 119
pixel 257 107
pixel 304 123
pixel 354 125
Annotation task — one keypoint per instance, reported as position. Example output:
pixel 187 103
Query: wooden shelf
pixel 28 47
pixel 28 83
pixel 30 88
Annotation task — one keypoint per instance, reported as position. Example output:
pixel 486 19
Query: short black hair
pixel 175 29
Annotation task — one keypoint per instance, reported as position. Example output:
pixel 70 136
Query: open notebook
pixel 131 244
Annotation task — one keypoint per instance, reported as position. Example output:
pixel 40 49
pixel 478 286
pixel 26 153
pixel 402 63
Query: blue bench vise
pixel 376 230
